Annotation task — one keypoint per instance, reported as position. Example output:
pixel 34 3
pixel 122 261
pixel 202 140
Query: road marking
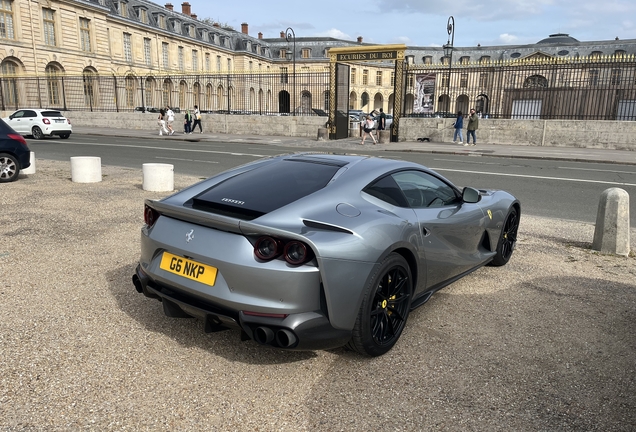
pixel 186 160
pixel 598 170
pixel 180 149
pixel 536 177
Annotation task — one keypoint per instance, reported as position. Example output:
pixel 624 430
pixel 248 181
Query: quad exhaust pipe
pixel 283 338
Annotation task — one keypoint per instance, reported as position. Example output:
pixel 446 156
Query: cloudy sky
pixel 423 22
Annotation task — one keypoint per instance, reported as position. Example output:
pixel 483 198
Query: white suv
pixel 40 123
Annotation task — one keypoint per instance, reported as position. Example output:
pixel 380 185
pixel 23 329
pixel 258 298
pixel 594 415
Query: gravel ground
pixel 544 343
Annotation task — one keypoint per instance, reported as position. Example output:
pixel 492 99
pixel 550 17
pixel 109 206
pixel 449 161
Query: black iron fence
pixel 582 89
pixel 303 93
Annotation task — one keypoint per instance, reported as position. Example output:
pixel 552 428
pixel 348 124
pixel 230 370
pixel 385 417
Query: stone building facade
pixel 171 57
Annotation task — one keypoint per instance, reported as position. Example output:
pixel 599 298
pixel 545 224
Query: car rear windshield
pixel 51 114
pixel 267 188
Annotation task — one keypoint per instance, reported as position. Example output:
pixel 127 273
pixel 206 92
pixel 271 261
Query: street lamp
pixel 290 34
pixel 448 52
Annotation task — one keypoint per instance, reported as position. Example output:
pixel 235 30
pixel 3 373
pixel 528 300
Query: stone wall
pixel 558 133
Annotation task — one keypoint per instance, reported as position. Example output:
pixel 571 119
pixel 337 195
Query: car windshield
pixel 51 114
pixel 267 188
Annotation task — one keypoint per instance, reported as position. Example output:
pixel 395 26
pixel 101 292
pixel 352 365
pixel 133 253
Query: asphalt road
pixel 558 189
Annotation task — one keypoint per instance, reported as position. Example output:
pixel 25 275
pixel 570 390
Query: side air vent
pixel 325 227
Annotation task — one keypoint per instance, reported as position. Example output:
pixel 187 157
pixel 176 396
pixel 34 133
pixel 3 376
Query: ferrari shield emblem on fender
pixel 490 214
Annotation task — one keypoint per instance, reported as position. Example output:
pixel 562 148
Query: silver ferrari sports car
pixel 314 251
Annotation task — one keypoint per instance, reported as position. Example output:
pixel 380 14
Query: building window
pixel 410 81
pixel 177 26
pixel 53 85
pixel 9 84
pixel 85 34
pixel 445 60
pixel 195 60
pixel 128 47
pixel 615 78
pixel 378 78
pixel 6 20
pixel 218 63
pixel 484 59
pixel 150 92
pixel 130 91
pixel 165 94
pixel 283 53
pixel 365 77
pixel 250 65
pixel 183 88
pixel 49 26
pixel 284 76
pixel 207 62
pixel 353 75
pixel 463 80
pixel 181 59
pixel 229 64
pixel 427 60
pixel 191 31
pixel 483 80
pixel 89 87
pixel 596 54
pixel 464 60
pixel 305 53
pixel 143 16
pixel 123 9
pixel 392 79
pixel 593 78
pixel 164 55
pixel 147 52
pixel 161 21
pixel 619 53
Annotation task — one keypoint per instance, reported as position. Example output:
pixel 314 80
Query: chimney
pixel 169 6
pixel 194 16
pixel 244 28
pixel 282 34
pixel 260 35
pixel 359 39
pixel 186 9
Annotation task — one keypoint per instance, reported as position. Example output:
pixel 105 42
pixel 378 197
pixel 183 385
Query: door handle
pixel 425 232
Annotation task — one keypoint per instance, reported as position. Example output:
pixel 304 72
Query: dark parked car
pixel 14 153
pixel 314 251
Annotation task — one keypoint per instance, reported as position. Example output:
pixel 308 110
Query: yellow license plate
pixel 189 269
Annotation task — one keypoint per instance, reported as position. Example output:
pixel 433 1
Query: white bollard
pixel 158 177
pixel 611 233
pixel 31 168
pixel 86 169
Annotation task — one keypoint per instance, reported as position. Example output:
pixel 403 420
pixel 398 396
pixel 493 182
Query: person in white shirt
pixel 197 120
pixel 367 129
pixel 170 120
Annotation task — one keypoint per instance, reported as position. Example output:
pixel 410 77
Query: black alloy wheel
pixel 507 239
pixel 36 132
pixel 65 136
pixel 385 308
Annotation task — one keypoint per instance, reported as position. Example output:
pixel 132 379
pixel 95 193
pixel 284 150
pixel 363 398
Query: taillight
pixel 68 121
pixel 150 215
pixel 46 121
pixel 294 252
pixel 18 138
pixel 268 248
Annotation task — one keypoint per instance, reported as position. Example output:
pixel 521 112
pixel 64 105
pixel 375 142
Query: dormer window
pixel 176 25
pixel 191 31
pixel 122 9
pixel 142 14
pixel 205 35
pixel 305 53
pixel 464 60
pixel 427 60
pixel 161 21
pixel 282 54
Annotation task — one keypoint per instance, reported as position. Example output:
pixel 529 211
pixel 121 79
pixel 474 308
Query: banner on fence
pixel 424 93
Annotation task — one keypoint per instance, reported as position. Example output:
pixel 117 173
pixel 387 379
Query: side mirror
pixel 471 195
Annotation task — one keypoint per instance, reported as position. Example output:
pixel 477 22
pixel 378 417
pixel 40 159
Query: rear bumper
pixel 299 331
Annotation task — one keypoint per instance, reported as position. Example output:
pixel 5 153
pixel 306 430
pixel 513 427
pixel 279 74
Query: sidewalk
pixel 576 154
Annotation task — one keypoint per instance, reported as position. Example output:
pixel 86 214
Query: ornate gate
pixel 339 84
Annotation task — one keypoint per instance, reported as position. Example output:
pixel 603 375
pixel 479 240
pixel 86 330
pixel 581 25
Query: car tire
pixel 36 132
pixel 65 136
pixel 507 239
pixel 385 308
pixel 9 168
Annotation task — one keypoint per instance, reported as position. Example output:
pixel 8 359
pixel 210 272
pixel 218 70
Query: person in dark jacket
pixel 473 125
pixel 459 124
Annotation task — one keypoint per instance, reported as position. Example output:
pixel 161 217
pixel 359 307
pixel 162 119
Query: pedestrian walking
pixel 161 121
pixel 170 120
pixel 367 129
pixel 473 125
pixel 187 122
pixel 381 122
pixel 197 120
pixel 458 125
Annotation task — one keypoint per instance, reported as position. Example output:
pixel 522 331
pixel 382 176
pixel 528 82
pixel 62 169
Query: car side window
pixel 18 114
pixel 425 190
pixel 29 113
pixel 387 190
